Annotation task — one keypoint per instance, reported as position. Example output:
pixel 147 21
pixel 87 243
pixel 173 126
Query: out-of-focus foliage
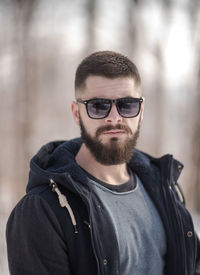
pixel 42 42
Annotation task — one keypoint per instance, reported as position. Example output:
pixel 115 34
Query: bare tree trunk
pixel 194 14
pixel 159 100
pixel 133 17
pixel 196 148
pixel 90 29
pixel 24 117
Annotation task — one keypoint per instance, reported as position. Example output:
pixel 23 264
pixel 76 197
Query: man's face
pixel 111 140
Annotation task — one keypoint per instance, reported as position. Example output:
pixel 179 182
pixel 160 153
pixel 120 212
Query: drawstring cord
pixel 64 203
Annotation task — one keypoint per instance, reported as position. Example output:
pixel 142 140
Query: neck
pixel 112 174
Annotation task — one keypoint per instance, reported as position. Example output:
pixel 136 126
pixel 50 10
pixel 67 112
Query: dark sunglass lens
pixel 128 107
pixel 98 108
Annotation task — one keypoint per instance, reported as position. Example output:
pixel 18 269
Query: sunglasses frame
pixel 111 101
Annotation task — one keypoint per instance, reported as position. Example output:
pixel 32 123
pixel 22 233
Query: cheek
pixel 134 124
pixel 91 125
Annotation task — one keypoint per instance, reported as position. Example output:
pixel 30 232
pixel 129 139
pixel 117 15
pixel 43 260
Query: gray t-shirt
pixel 139 229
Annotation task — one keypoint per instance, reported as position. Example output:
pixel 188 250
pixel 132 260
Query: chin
pixel 113 141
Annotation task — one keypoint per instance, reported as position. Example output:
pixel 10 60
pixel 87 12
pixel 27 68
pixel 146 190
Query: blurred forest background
pixel 43 41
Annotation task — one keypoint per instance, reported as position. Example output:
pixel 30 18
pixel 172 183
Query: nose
pixel 113 116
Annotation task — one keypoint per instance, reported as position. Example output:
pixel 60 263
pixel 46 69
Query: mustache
pixel 106 128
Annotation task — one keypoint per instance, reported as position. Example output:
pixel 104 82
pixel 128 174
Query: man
pixel 95 204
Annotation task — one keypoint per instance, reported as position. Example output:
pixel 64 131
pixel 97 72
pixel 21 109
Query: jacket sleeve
pixel 197 271
pixel 35 243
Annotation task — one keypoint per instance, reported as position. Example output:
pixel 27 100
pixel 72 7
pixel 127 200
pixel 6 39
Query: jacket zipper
pixel 166 193
pixel 181 243
pixel 68 177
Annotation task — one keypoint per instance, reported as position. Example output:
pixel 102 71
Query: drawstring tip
pixel 75 229
pixel 52 184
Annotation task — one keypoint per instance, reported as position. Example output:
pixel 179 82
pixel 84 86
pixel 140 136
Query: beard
pixel 116 151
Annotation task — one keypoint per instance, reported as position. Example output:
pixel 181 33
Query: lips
pixel 109 130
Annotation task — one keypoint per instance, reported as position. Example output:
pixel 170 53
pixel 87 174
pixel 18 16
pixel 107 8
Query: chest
pixel 139 230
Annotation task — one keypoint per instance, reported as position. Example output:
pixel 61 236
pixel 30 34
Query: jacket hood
pixel 56 160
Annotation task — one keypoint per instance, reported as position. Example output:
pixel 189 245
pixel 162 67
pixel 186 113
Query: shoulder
pixel 144 159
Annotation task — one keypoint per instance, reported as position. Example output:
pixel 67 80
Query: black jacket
pixel 45 238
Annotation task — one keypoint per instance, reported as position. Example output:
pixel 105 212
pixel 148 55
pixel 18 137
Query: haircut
pixel 107 64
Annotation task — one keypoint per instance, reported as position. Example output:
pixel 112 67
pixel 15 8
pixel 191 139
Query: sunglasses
pixel 98 108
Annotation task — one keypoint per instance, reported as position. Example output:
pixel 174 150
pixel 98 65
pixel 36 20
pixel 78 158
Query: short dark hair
pixel 107 64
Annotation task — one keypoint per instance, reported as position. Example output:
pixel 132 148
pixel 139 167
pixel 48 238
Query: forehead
pixel 98 86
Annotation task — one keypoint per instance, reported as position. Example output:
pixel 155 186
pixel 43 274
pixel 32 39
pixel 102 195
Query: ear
pixel 142 108
pixel 75 112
